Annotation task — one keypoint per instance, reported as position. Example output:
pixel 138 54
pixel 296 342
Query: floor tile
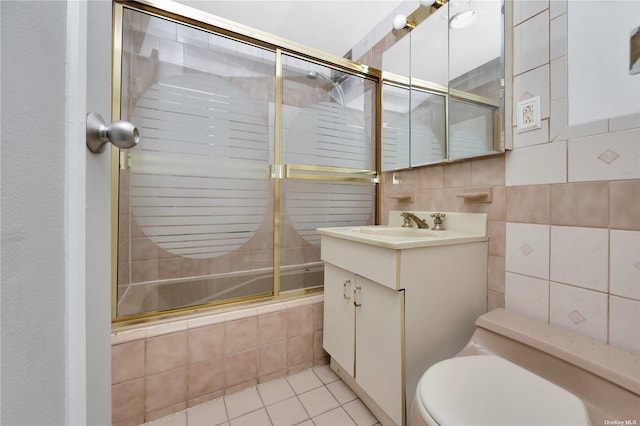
pixel 177 419
pixel 325 374
pixel 255 418
pixel 242 402
pixel 275 391
pixel 282 402
pixel 360 413
pixel 318 400
pixel 304 381
pixel 341 392
pixel 287 413
pixel 336 417
pixel 208 414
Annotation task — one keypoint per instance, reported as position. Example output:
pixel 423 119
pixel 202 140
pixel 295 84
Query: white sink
pixel 394 231
pixel 461 228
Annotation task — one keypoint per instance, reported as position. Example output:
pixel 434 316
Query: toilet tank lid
pixel 489 390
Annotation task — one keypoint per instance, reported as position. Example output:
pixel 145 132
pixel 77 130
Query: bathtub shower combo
pixel 245 149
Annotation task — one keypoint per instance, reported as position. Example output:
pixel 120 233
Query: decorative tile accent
pixel 576 317
pixel 608 156
pixel 611 156
pixel 526 249
pixel 578 310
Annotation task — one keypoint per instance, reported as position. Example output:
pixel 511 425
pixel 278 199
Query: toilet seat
pixel 488 390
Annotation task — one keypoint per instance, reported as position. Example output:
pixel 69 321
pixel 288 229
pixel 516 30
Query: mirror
pixel 454 90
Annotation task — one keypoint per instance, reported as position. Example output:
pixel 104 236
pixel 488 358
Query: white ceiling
pixel 333 26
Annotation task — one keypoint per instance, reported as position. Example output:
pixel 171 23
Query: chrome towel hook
pixel 122 134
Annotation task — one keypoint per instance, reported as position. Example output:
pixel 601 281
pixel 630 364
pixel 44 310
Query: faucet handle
pixel 437 221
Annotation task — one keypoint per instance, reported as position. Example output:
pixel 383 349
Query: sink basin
pixel 392 231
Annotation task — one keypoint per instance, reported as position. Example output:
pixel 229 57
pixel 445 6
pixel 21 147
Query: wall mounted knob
pixel 122 134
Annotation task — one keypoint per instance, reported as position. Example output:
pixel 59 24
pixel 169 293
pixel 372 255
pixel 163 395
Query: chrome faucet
pixel 420 223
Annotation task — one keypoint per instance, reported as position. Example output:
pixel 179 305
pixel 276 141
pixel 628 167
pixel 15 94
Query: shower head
pixel 313 75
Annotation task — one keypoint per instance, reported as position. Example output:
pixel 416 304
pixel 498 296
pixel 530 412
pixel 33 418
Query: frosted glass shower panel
pixel 328 116
pixel 312 204
pixel 196 200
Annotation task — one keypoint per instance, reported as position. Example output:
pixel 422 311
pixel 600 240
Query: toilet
pixel 518 371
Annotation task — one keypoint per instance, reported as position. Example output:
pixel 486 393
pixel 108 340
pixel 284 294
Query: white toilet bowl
pixel 482 390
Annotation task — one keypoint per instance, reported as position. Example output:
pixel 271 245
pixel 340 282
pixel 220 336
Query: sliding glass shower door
pixel 244 152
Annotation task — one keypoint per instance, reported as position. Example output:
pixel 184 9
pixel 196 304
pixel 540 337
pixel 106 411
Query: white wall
pixel 600 85
pixel 44 343
pixel 33 174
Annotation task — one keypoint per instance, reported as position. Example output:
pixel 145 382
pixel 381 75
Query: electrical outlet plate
pixel 528 115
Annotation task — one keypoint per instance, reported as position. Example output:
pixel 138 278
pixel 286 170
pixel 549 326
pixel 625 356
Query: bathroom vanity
pixel 397 300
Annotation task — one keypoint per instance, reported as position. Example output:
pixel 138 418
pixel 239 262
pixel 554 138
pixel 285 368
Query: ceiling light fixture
pixel 400 23
pixel 462 19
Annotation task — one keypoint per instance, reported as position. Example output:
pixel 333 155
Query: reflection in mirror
pixel 412 136
pixel 428 128
pixel 430 48
pixel 456 50
pixel 395 127
pixel 476 76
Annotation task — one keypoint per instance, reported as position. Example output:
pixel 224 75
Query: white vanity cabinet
pixel 390 313
pixel 361 340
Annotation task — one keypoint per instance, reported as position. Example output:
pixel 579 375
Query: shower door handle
pixel 120 133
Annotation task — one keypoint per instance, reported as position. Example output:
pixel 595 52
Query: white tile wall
pixel 593 286
pixel 538 164
pixel 532 137
pixel 558 37
pixel 531 42
pixel 624 264
pixel 579 256
pixel 525 9
pixel 624 323
pixel 558 111
pixel 559 82
pixel 611 156
pixel 557 8
pixel 527 295
pixel 527 249
pixel 530 84
pixel 579 310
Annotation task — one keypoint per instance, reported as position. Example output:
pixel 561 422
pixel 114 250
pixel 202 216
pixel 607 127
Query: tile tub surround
pixel 166 367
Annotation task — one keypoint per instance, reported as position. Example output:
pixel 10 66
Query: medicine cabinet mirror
pixel 443 85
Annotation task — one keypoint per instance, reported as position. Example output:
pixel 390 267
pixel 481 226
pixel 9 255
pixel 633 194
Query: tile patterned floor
pixel 314 397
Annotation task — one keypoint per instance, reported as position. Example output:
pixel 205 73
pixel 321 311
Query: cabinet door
pixel 379 345
pixel 339 321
